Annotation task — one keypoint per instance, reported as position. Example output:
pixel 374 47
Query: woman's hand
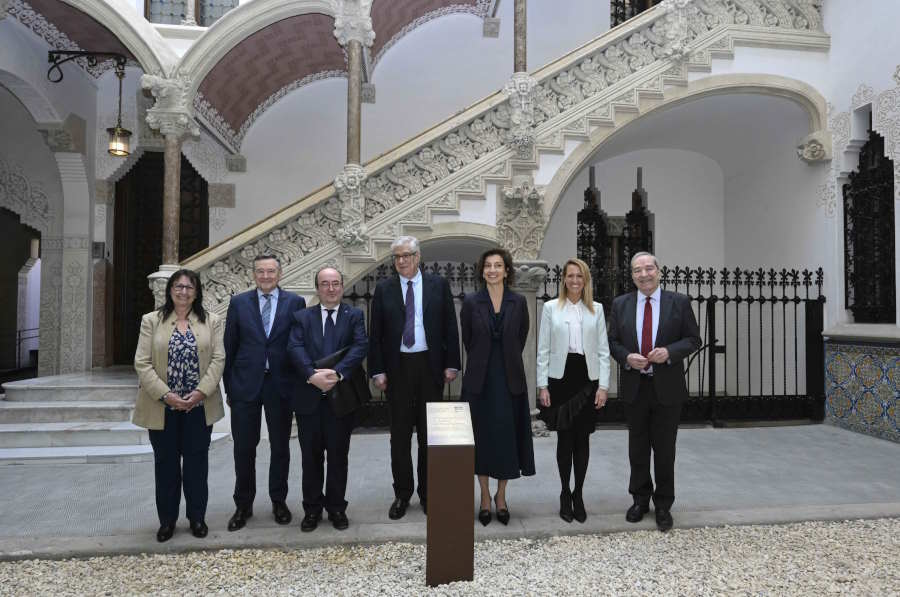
pixel 193 399
pixel 174 401
pixel 600 398
pixel 545 397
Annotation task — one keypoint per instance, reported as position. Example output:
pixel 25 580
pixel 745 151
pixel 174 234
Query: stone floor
pixel 725 476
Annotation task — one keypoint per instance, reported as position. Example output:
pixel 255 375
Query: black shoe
pixel 636 512
pixel 484 517
pixel 578 511
pixel 502 513
pixel 664 520
pixel 281 512
pixel 565 506
pixel 239 519
pixel 339 520
pixel 199 529
pixel 310 522
pixel 165 532
pixel 398 509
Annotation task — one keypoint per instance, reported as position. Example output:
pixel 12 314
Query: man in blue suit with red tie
pixel 258 376
pixel 319 332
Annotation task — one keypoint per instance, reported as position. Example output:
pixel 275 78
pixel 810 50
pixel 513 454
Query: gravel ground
pixel 816 558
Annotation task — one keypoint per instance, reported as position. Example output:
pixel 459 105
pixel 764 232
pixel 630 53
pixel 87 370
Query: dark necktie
pixel 267 312
pixel 647 330
pixel 329 335
pixel 409 326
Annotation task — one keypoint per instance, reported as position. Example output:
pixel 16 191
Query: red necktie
pixel 647 330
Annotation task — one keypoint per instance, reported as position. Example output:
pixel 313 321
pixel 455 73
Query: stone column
pixel 189 16
pixel 529 281
pixel 520 40
pixel 171 199
pixel 353 30
pixel 172 115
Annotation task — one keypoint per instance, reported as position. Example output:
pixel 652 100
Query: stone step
pixel 83 454
pixel 116 384
pixel 61 412
pixel 75 433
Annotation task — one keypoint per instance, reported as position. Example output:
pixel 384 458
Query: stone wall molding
pixel 70 136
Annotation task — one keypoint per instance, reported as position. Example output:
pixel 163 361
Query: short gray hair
pixel 644 254
pixel 402 241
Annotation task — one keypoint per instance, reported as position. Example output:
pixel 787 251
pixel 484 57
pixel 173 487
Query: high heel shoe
pixel 484 516
pixel 565 506
pixel 502 513
pixel 578 511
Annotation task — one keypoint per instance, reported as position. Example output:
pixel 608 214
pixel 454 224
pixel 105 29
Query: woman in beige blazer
pixel 179 361
pixel 573 377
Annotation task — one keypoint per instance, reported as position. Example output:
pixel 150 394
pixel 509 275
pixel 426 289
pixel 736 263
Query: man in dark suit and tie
pixel 258 375
pixel 651 332
pixel 413 351
pixel 319 332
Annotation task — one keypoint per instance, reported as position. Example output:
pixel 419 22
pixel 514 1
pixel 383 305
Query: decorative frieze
pixel 349 186
pixel 172 113
pixel 520 218
pixel 68 137
pixel 520 91
pixel 24 197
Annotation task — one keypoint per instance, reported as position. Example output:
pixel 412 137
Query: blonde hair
pixel 587 293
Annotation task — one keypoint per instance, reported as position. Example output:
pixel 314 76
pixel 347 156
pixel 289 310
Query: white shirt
pixel 574 316
pixel 419 327
pixel 639 317
pixel 334 315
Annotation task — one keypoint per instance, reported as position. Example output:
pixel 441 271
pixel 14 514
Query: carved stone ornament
pixel 675 28
pixel 520 91
pixel 530 274
pixel 24 197
pixel 158 281
pixel 349 186
pixel 4 6
pixel 815 147
pixel 352 22
pixel 897 75
pixel 173 112
pixel 520 221
pixel 491 27
pixel 367 93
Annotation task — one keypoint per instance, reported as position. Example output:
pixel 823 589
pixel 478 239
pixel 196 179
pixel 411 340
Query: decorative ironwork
pixel 57 58
pixel 762 356
pixel 637 235
pixel 593 242
pixel 622 10
pixel 869 266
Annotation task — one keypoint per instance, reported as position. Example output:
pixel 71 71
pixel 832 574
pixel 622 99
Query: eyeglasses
pixel 183 288
pixel 402 256
pixel 333 284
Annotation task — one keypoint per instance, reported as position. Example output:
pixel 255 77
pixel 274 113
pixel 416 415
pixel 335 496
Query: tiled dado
pixel 861 386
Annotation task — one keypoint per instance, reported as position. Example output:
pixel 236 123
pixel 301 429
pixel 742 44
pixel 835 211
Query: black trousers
pixel 181 460
pixel 321 432
pixel 408 391
pixel 246 420
pixel 652 427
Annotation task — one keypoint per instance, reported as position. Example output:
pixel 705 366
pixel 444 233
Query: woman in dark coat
pixel 494 328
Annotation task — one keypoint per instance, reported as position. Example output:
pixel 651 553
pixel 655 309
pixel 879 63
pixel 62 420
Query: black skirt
pixel 571 399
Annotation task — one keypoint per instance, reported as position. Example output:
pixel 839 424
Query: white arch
pixel 797 91
pixel 136 33
pixel 234 27
pixel 40 108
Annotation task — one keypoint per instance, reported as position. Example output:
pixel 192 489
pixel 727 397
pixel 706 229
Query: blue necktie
pixel 329 335
pixel 267 313
pixel 409 326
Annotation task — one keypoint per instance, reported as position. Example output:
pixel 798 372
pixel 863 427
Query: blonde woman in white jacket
pixel 573 378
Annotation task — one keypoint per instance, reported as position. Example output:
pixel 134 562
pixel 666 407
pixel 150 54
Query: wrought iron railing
pixel 622 10
pixel 175 12
pixel 762 356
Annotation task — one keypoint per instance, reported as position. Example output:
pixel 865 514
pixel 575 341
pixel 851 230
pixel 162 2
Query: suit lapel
pixel 280 310
pixel 665 310
pixel 631 321
pixel 484 307
pixel 256 315
pixel 427 292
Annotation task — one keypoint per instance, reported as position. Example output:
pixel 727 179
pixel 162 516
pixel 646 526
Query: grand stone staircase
pixel 603 84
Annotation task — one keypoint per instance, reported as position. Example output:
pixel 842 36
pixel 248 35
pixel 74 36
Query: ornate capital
pixel 173 111
pixel 520 219
pixel 520 91
pixel 349 185
pixel 69 137
pixel 158 281
pixel 815 147
pixel 352 22
pixel 530 274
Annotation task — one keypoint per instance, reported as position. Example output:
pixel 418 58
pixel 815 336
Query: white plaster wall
pixel 685 192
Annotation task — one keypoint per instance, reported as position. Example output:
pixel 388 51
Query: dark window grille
pixel 622 10
pixel 869 265
pixel 172 12
pixel 762 356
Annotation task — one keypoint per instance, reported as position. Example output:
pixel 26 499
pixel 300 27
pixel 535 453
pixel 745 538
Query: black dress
pixel 571 399
pixel 502 422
